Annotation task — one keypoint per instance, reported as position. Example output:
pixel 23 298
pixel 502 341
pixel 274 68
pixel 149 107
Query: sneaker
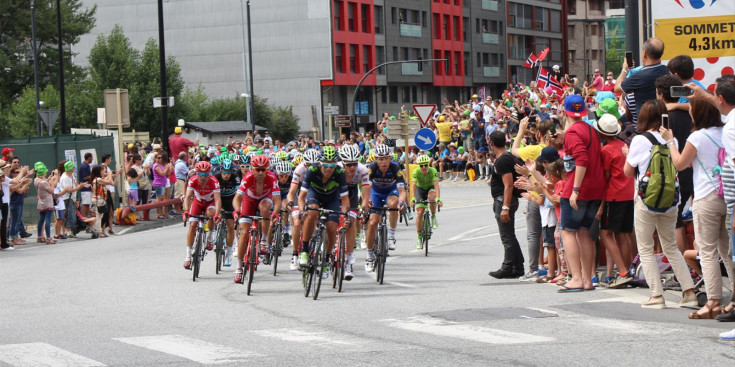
pixel 187 263
pixel 25 235
pixel 294 262
pixel 531 275
pixel 543 272
pixel 71 235
pixel 391 244
pixel 9 248
pixel 595 281
pixel 689 301
pixel 370 265
pixel 238 275
pixel 303 259
pixel 348 271
pixel 363 244
pixel 210 245
pixel 325 272
pixel 434 222
pixel 228 260
pixel 671 284
pixel 263 248
pixel 657 303
pixel 620 282
pixel 728 335
pixel 419 244
pixel 606 282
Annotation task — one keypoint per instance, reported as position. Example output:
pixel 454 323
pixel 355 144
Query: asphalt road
pixel 126 300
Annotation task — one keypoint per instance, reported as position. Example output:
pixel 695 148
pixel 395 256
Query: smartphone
pixel 665 121
pixel 629 58
pixel 680 91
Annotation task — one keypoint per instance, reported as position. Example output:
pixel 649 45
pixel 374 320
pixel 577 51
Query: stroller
pixel 85 225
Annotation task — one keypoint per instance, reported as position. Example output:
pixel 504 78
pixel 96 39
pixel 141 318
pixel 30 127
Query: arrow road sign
pixel 343 121
pixel 425 139
pixel 424 112
pixel 331 110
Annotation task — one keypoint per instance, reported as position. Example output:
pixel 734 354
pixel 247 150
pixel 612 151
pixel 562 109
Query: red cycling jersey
pixel 248 186
pixel 204 194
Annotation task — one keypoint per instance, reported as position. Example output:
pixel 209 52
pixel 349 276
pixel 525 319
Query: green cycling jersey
pixel 425 181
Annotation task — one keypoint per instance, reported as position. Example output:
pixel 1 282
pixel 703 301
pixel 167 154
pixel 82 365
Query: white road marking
pixel 42 354
pixel 435 326
pixel 307 337
pixel 126 230
pixel 467 233
pixel 192 349
pixel 404 285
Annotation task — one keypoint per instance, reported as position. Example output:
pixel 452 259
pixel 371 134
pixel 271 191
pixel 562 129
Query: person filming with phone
pixel 642 82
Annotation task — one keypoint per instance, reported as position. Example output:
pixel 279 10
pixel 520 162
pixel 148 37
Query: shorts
pixel 422 195
pixel 249 207
pixel 132 196
pixel 459 166
pixel 547 233
pixel 159 191
pixel 684 198
pixel 580 219
pixel 467 142
pixel 60 214
pixel 227 206
pixel 86 197
pixel 617 216
pixel 199 208
pixel 380 199
pixel 180 187
pixel 353 192
pixel 331 202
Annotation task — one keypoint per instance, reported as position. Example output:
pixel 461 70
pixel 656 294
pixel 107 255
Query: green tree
pixel 284 125
pixel 614 56
pixel 22 114
pixel 113 62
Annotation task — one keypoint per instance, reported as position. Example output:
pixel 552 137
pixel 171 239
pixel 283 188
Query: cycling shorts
pixel 422 195
pixel 249 206
pixel 331 202
pixel 380 199
pixel 353 193
pixel 200 208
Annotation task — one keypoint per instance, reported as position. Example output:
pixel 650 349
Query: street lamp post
pixel 164 93
pixel 61 68
pixel 245 68
pixel 35 65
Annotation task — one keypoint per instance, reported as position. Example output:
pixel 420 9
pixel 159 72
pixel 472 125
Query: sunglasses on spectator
pixel 351 164
pixel 260 169
pixel 329 165
pixel 201 174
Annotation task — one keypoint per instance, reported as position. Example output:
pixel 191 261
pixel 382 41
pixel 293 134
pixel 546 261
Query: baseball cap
pixel 474 96
pixel 608 106
pixel 608 125
pixel 156 146
pixel 177 130
pixel 548 154
pixel 555 67
pixel 7 150
pixel 441 118
pixel 574 106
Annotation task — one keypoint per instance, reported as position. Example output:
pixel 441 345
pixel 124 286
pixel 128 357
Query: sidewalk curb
pixel 148 225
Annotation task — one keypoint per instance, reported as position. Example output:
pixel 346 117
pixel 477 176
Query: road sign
pixel 49 119
pixel 425 139
pixel 397 131
pixel 424 112
pixel 159 102
pixel 111 106
pixel 331 110
pixel 343 121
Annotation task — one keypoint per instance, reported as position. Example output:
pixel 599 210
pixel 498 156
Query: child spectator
pixel 132 177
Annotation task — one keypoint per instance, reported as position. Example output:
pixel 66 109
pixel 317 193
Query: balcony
pixel 491 71
pixel 410 30
pixel 490 5
pixel 411 68
pixel 491 38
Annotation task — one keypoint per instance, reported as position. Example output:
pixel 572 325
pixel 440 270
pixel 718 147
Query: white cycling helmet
pixel 382 150
pixel 349 153
pixel 311 156
pixel 283 168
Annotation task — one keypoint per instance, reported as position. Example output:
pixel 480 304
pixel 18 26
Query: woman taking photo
pixel 99 192
pixel 646 220
pixel 709 210
pixel 45 188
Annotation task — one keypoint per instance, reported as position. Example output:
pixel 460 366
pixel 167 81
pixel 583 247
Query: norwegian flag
pixel 545 80
pixel 542 55
pixel 530 61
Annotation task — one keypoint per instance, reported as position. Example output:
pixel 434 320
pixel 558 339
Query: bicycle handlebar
pixel 201 217
pixel 438 207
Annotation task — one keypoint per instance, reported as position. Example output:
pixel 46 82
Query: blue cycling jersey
pixel 388 181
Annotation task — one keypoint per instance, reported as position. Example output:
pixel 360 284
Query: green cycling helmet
pixel 329 153
pixel 282 155
pixel 226 164
pixel 424 159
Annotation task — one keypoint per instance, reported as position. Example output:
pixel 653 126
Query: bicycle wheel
pixel 277 249
pixel 252 258
pixel 404 214
pixel 383 253
pixel 218 248
pixel 340 271
pixel 378 252
pixel 195 256
pixel 308 272
pixel 319 262
pixel 427 233
pixel 335 258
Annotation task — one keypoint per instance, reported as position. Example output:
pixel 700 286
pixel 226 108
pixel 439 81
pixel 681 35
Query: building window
pixel 365 17
pixel 406 94
pixel 338 57
pixel 466 62
pixel 393 95
pixel 570 31
pixel 596 5
pixel 457 63
pixel 367 58
pixel 594 55
pixel 479 59
pixel 394 15
pixel 353 58
pixel 350 16
pixel 572 7
pixel 448 66
pixel 617 4
pixel 404 53
pixel 593 29
pixel 520 15
pixel 457 28
pixel 439 66
pixel 384 95
pixel 572 56
pixel 465 26
pixel 378 19
pixel 447 28
pixel 414 94
pixel 555 21
pixel 556 53
pixel 424 23
pixel 338 15
pixel 437 26
pixel 380 56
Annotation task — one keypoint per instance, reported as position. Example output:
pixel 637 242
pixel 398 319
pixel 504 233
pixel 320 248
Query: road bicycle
pixel 339 260
pixel 280 240
pixel 200 246
pixel 380 248
pixel 250 260
pixel 426 229
pixel 220 241
pixel 317 258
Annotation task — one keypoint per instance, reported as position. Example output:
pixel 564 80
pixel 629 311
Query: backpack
pixel 717 171
pixel 659 187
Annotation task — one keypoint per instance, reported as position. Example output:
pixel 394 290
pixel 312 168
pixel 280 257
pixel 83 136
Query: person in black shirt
pixel 505 204
pixel 228 184
pixel 642 83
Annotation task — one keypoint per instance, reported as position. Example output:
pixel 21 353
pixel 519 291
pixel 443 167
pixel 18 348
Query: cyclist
pixel 324 186
pixel 203 192
pixel 258 191
pixel 309 158
pixel 425 187
pixel 356 175
pixel 244 166
pixel 388 189
pixel 228 184
pixel 283 171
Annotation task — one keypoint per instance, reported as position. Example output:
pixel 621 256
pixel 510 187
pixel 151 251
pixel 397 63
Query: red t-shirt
pixel 558 188
pixel 582 143
pixel 178 144
pixel 619 187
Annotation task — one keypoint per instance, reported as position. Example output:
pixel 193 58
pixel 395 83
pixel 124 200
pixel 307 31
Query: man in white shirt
pixel 69 188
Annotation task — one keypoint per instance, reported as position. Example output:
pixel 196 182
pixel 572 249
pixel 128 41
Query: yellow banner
pixel 697 37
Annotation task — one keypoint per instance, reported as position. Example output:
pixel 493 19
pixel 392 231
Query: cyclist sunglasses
pixel 329 165
pixel 352 164
pixel 259 169
pixel 244 166
pixel 424 165
pixel 226 172
pixel 201 174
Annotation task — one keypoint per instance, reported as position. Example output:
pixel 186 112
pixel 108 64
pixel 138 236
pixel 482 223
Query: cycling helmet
pixel 329 153
pixel 423 159
pixel 371 158
pixel 245 159
pixel 214 161
pixel 272 155
pixel 395 156
pixel 349 153
pixel 382 150
pixel 226 164
pixel 275 161
pixel 283 168
pixel 203 167
pixel 282 155
pixel 297 159
pixel 260 161
pixel 235 158
pixel 311 156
